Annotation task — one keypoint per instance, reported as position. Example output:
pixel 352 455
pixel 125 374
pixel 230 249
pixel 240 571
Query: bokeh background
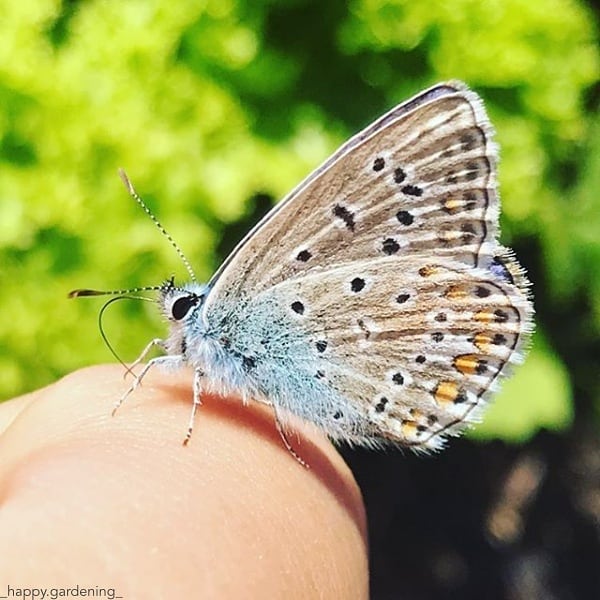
pixel 217 108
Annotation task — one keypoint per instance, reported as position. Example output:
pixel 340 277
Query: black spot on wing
pixel 341 212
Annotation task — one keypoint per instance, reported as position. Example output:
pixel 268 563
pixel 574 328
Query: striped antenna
pixel 80 293
pixel 158 224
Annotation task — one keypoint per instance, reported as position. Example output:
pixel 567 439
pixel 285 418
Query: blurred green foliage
pixel 211 104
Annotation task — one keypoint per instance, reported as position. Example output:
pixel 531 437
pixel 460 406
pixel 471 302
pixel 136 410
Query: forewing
pixel 419 180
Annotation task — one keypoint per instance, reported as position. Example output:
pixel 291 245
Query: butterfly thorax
pixel 247 347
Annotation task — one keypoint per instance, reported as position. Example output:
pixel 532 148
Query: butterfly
pixel 375 300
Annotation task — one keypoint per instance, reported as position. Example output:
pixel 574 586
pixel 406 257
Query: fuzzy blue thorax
pixel 249 346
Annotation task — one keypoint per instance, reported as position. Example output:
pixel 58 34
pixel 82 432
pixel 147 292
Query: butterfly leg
pixel 158 342
pixel 171 361
pixel 198 375
pixel 286 442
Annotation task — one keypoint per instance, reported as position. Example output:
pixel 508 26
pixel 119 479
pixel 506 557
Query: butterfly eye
pixel 182 306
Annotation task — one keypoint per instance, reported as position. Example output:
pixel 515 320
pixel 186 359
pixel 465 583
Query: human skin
pixel 118 502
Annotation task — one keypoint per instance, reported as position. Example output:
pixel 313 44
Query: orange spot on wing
pixel 445 392
pixel 484 316
pixel 482 341
pixel 467 364
pixel 427 271
pixel 455 291
pixel 453 205
pixel 409 428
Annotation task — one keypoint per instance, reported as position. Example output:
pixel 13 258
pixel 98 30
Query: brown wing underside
pixel 424 182
pixel 418 354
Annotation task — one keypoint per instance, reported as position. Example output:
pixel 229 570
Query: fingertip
pixel 233 495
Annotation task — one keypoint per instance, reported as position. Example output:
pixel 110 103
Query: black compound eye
pixel 182 306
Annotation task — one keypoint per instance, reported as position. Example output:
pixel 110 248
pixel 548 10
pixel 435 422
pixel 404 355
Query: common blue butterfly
pixel 375 300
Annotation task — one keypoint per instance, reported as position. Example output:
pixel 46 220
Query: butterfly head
pixel 181 306
pixel 179 303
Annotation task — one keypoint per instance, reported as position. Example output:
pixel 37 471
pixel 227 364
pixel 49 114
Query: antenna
pixel 120 295
pixel 101 326
pixel 158 224
pixel 80 293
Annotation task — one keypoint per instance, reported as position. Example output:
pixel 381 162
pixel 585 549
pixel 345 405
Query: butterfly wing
pixel 395 230
pixel 417 354
pixel 423 174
